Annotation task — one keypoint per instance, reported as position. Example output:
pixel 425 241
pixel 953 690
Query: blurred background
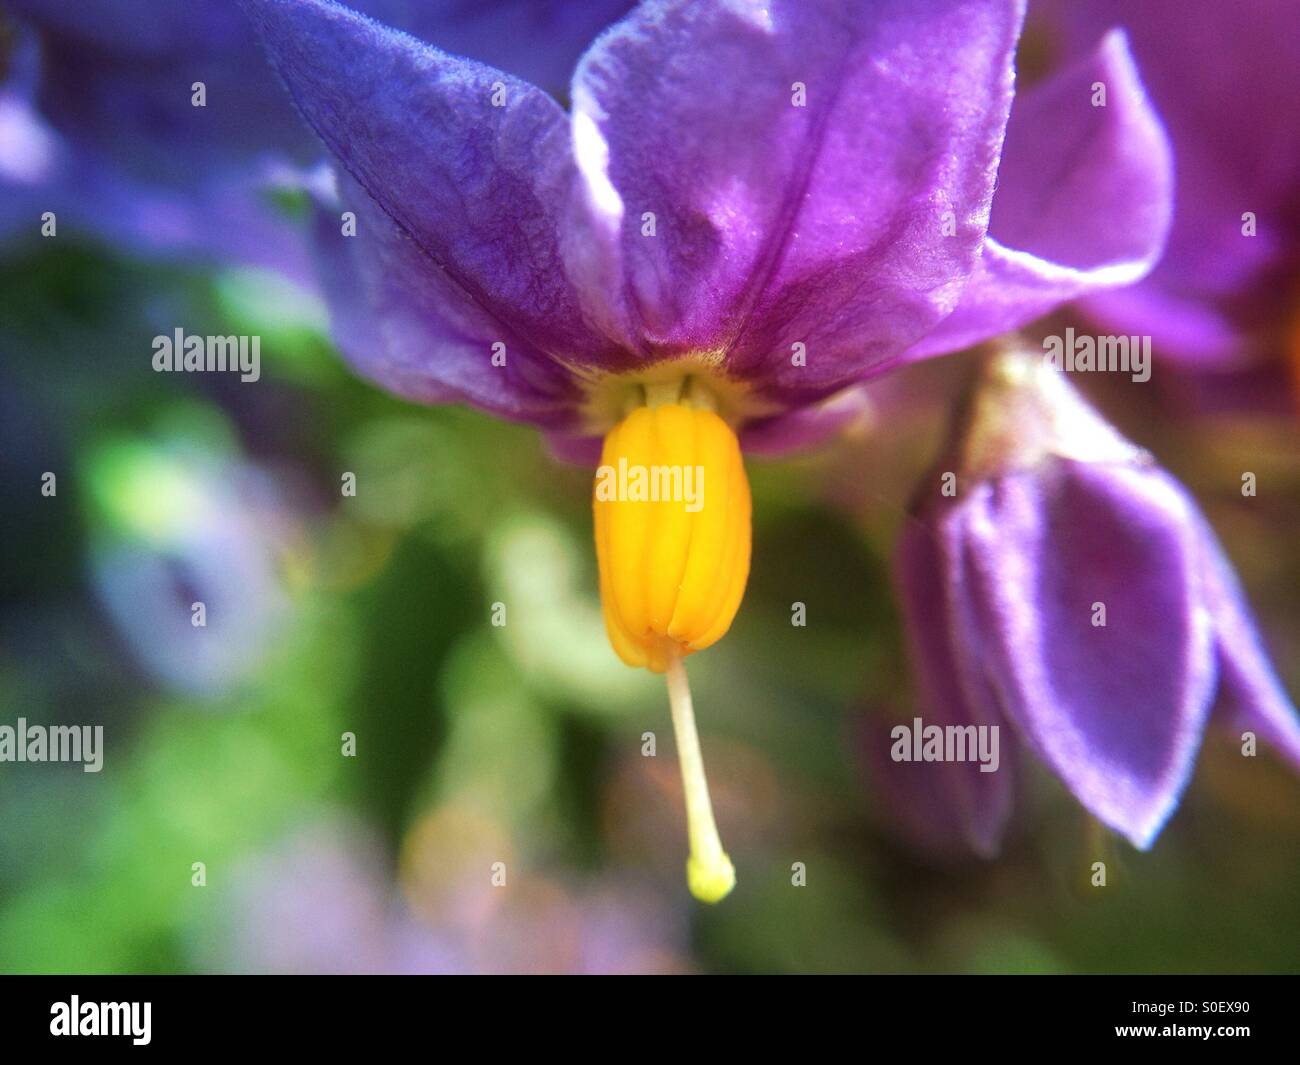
pixel 332 615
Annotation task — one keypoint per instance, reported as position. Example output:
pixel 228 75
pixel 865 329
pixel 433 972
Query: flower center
pixel 672 518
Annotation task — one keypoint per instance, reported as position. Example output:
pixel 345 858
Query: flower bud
pixel 1085 598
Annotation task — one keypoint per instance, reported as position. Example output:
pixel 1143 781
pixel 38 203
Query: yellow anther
pixel 672 517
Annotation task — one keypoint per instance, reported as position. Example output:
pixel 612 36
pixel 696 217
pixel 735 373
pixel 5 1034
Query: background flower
pixel 98 121
pixel 1224 296
pixel 1070 586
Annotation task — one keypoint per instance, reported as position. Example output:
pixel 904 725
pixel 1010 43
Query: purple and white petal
pixel 947 658
pixel 473 165
pixel 1083 200
pixel 797 163
pixel 1250 691
pixel 1224 78
pixel 402 324
pixel 1114 703
pixel 806 427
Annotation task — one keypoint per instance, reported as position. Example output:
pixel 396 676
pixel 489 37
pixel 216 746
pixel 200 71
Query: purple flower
pixel 1225 78
pixel 750 208
pixel 852 224
pixel 1065 583
pixel 98 121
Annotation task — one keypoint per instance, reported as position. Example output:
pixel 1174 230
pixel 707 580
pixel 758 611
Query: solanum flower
pixel 1225 77
pixel 750 208
pixel 1071 588
pixel 101 125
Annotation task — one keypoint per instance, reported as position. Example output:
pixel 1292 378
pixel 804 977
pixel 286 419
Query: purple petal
pixel 776 223
pixel 1225 78
pixel 1116 711
pixel 1191 327
pixel 540 41
pixel 1083 200
pixel 944 648
pixel 1250 689
pixel 479 189
pixel 575 448
pixel 401 323
pixel 945 810
pixel 806 427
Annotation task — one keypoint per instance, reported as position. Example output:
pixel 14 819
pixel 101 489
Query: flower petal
pixel 1225 78
pixel 472 164
pixel 1083 201
pixel 927 805
pixel 556 31
pixel 1116 710
pixel 403 324
pixel 1251 691
pixel 1194 329
pixel 775 223
pixel 952 688
pixel 805 427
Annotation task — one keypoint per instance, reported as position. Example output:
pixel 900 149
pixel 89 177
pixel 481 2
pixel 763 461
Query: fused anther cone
pixel 672 520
